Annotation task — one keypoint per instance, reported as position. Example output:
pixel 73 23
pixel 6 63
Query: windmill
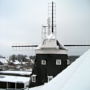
pixel 51 56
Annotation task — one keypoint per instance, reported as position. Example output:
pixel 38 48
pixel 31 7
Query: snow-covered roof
pixel 17 79
pixel 16 62
pixel 16 72
pixel 3 60
pixel 51 46
pixel 27 57
pixel 51 43
pixel 74 77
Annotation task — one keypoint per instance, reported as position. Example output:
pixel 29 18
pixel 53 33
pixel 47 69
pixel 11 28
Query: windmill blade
pixel 68 45
pixel 25 46
pixel 75 45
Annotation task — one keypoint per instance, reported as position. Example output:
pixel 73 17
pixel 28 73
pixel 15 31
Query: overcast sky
pixel 21 22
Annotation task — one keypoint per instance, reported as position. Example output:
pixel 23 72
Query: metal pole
pixel 52 17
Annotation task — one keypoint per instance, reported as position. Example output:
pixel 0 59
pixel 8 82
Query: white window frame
pixel 43 62
pixel 50 78
pixel 68 62
pixel 58 62
pixel 33 78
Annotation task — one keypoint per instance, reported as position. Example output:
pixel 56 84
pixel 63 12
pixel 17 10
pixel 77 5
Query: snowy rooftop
pixel 16 72
pixel 3 60
pixel 74 77
pixel 5 78
pixel 16 62
pixel 51 43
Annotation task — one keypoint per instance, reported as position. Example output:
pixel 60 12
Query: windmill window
pixel 58 62
pixel 33 78
pixel 43 62
pixel 68 62
pixel 50 78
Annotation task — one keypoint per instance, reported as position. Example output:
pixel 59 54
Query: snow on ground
pixel 36 88
pixel 74 77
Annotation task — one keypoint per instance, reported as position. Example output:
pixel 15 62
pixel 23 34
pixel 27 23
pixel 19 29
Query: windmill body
pixel 51 57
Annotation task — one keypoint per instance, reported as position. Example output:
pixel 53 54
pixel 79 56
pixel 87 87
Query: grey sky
pixel 21 21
